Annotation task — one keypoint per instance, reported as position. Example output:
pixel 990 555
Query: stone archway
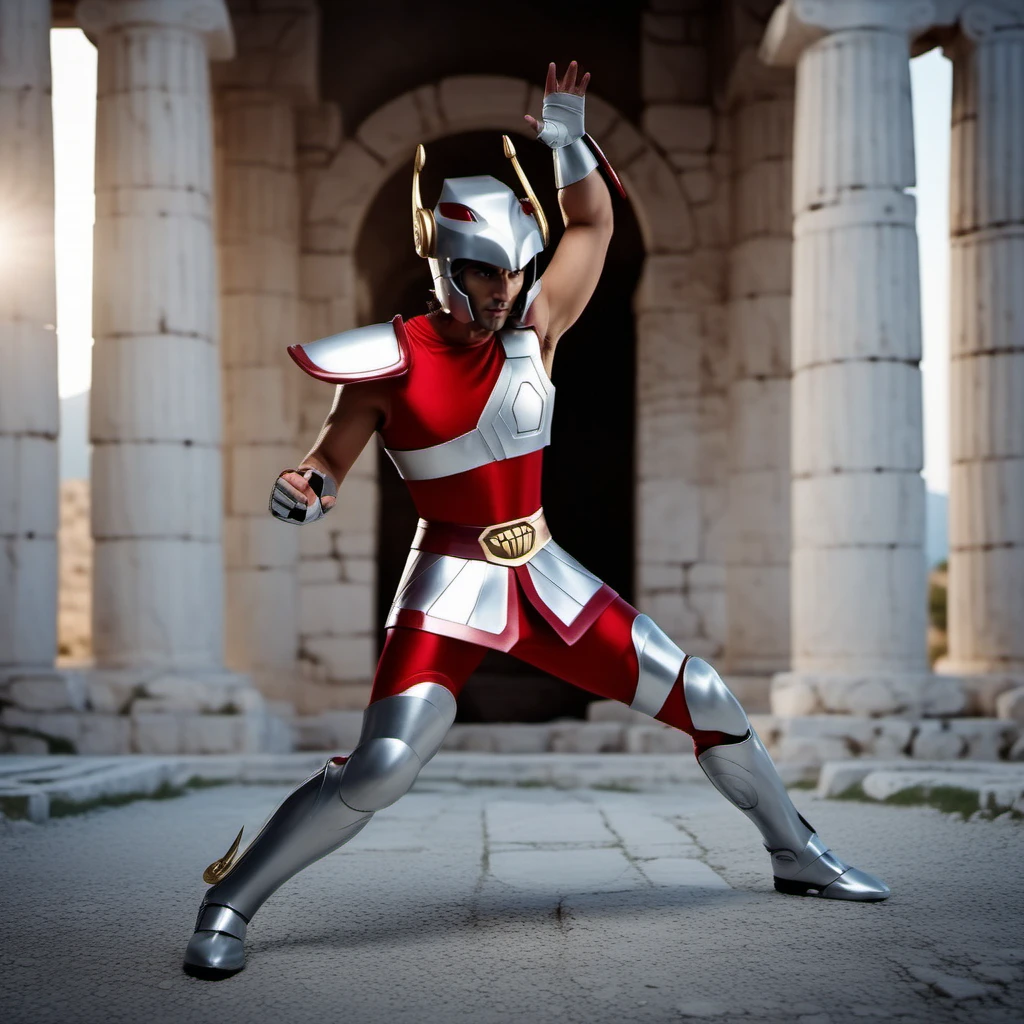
pixel 677 306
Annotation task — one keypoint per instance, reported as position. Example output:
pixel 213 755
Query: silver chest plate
pixel 516 419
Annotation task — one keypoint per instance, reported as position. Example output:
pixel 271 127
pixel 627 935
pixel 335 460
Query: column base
pixel 90 710
pixel 870 693
pixel 981 689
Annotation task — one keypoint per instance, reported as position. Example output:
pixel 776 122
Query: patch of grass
pixel 949 799
pixel 65 808
pixel 854 792
pixel 803 784
pixel 615 787
pixel 198 782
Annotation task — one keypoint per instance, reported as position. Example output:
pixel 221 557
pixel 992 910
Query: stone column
pixel 986 499
pixel 29 485
pixel 757 552
pixel 155 411
pixel 257 95
pixel 858 569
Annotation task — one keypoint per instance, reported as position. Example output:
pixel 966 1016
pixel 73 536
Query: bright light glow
pixel 73 59
pixel 931 80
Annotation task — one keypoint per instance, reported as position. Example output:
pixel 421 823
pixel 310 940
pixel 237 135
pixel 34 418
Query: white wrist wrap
pixel 562 119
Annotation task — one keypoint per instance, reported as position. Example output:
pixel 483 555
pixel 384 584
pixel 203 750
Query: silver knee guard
pixel 400 735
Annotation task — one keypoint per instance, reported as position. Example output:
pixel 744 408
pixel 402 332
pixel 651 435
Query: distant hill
pixel 74 437
pixel 936 542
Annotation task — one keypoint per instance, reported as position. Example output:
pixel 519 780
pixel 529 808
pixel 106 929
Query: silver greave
pixel 400 734
pixel 803 865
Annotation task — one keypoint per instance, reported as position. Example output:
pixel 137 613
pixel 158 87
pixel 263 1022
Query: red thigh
pixel 603 662
pixel 414 656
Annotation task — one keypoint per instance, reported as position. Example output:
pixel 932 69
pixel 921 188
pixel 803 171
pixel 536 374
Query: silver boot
pixel 803 865
pixel 399 735
pixel 743 772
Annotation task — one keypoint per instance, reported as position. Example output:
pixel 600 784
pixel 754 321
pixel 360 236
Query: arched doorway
pixel 588 476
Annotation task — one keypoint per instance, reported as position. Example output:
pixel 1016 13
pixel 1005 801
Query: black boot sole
pixel 209 973
pixel 791 888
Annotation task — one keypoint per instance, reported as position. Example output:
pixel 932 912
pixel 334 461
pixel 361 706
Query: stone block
pixel 586 737
pixel 623 144
pixel 712 222
pixel 330 730
pixel 1010 704
pixel 698 185
pixel 336 609
pixel 34 745
pixel 318 132
pixel 346 658
pixel 156 733
pixel 614 712
pixel 661 208
pixel 672 72
pixel 982 691
pixel 681 281
pixel 105 734
pixel 679 127
pixel 476 738
pixel 111 692
pixel 935 741
pixel 838 776
pixel 479 99
pixel 792 695
pixel 50 692
pixel 656 739
pixel 669 523
pixel 811 749
pixel 986 739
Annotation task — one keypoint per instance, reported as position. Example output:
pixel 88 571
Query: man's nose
pixel 503 287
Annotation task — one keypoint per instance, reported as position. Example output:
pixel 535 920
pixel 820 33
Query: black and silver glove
pixel 289 509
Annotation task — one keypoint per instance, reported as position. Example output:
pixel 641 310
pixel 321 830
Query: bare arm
pixel 356 413
pixel 575 268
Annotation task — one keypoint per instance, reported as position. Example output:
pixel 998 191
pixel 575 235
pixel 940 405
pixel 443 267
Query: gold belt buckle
pixel 515 542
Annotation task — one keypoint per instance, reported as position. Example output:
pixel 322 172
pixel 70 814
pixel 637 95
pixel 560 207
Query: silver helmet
pixel 479 219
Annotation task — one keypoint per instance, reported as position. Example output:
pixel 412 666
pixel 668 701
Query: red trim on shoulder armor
pixel 298 354
pixel 608 169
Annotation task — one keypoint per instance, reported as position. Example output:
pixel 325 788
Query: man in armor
pixel 462 399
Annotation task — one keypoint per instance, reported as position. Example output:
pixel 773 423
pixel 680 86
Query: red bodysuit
pixel 438 402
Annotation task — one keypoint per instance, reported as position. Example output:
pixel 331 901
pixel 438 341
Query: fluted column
pixel 986 508
pixel 155 411
pixel 858 519
pixel 259 247
pixel 29 486
pixel 757 551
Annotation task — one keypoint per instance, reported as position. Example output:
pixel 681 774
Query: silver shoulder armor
pixel 366 353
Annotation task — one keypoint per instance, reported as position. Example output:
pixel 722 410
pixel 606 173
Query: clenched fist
pixel 302 495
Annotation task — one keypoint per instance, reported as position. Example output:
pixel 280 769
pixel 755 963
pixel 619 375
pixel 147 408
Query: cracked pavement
pixel 480 904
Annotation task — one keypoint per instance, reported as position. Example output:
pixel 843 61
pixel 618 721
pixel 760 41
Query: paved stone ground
pixel 485 904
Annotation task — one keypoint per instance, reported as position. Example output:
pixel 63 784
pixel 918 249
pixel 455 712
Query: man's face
pixel 492 290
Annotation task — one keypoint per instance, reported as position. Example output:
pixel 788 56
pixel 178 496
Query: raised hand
pixel 556 118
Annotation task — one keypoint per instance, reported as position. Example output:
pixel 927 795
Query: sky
pixel 74 129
